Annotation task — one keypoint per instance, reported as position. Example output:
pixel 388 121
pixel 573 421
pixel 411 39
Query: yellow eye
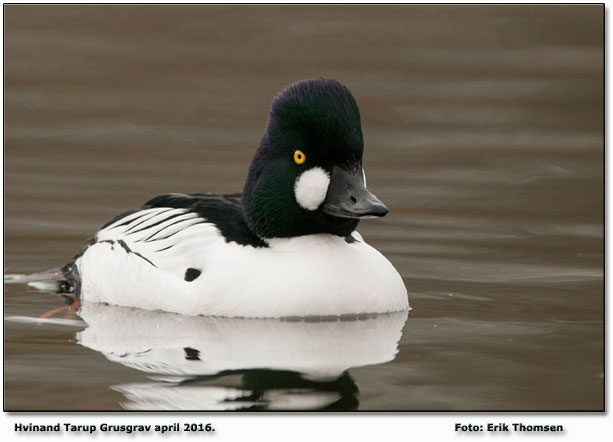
pixel 299 157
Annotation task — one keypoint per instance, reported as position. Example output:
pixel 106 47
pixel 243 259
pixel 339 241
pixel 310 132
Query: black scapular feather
pixel 223 211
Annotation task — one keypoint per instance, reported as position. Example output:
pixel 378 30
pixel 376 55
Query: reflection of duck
pixel 212 363
pixel 286 246
pixel 255 390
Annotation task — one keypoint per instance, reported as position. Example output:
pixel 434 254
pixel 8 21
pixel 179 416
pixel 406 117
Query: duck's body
pixel 286 247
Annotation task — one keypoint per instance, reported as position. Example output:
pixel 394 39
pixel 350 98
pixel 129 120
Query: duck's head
pixel 307 176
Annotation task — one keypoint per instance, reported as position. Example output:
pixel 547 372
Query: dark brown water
pixel 483 128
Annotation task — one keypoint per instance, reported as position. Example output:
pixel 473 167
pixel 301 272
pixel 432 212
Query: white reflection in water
pixel 271 363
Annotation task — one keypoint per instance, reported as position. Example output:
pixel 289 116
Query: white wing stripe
pixel 154 221
pixel 135 218
pixel 171 229
pixel 127 219
pixel 144 221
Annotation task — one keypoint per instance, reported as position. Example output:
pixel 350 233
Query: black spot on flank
pixel 349 239
pixel 191 274
pixel 191 354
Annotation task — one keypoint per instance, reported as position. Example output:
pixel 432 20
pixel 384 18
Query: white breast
pixel 311 275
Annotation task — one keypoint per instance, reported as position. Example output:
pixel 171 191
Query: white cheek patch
pixel 311 188
pixel 364 177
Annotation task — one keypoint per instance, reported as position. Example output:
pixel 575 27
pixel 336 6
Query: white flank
pixel 143 263
pixel 311 188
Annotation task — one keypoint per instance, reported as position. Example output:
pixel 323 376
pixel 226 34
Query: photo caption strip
pixel 67 427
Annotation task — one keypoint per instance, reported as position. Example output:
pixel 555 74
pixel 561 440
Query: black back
pixel 223 211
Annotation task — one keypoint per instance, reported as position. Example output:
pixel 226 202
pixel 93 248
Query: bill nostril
pixel 353 199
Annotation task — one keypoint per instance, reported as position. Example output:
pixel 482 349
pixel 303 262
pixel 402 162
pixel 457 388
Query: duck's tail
pixel 52 280
pixel 45 275
pixel 63 280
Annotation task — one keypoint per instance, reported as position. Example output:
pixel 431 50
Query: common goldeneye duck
pixel 286 246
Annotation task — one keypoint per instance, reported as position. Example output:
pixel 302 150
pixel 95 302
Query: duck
pixel 287 246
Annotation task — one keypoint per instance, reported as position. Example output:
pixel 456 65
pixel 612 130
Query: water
pixel 483 129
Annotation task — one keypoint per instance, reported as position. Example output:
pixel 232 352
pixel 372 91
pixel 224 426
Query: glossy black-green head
pixel 306 176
